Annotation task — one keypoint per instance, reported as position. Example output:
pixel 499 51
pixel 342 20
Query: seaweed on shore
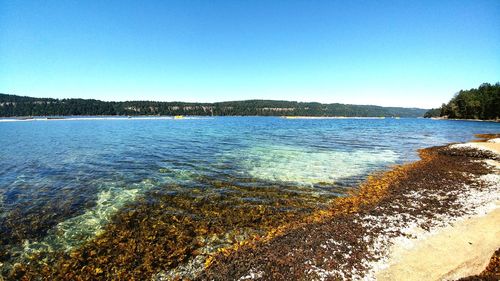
pixel 354 234
pixel 470 152
pixel 493 268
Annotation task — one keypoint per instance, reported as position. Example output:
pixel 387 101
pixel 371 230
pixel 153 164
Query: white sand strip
pixel 459 250
pixel 454 252
pixel 492 145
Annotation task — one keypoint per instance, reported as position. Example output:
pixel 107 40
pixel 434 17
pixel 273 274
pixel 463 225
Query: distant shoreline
pixel 13 105
pixel 338 117
pixel 475 120
pixel 169 117
pixel 73 118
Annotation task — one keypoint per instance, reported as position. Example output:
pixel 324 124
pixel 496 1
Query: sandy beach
pixel 453 252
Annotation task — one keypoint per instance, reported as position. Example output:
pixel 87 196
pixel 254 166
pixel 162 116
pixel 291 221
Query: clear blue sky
pixel 403 53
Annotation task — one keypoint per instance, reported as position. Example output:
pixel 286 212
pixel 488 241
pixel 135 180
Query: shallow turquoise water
pixel 73 175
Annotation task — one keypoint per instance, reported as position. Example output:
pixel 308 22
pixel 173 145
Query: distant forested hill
pixel 11 105
pixel 481 103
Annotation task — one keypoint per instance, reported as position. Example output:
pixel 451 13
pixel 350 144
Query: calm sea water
pixel 65 179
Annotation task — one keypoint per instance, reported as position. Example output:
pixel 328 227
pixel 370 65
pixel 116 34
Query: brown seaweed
pixel 289 255
pixel 163 230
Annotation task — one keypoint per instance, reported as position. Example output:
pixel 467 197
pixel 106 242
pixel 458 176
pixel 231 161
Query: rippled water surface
pixel 62 182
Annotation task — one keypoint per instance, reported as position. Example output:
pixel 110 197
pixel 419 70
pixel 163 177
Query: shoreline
pixel 455 119
pixel 107 118
pixel 340 117
pixel 357 239
pixel 169 117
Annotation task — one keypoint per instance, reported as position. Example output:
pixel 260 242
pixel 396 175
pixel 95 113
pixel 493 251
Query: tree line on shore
pixel 482 103
pixel 13 105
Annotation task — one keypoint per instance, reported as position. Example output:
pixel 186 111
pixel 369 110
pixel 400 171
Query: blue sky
pixel 397 53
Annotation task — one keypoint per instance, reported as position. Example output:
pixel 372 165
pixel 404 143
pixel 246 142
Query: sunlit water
pixel 61 181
